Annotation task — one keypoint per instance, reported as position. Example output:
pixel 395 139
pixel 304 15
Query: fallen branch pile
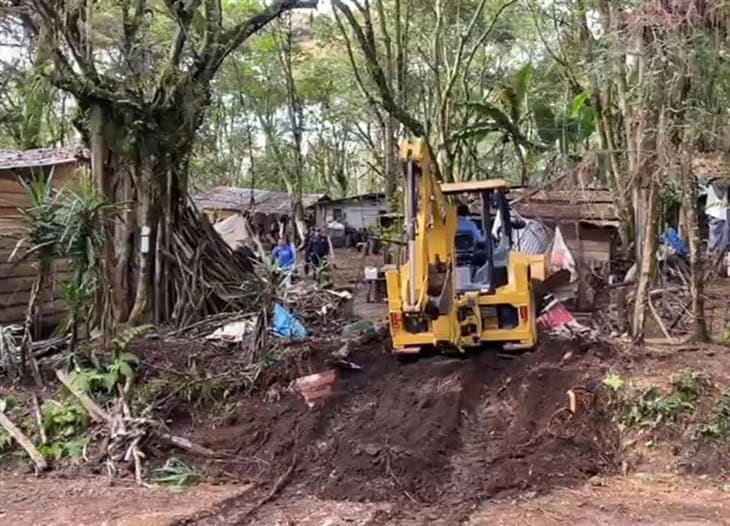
pixel 317 308
pixel 124 435
pixel 205 276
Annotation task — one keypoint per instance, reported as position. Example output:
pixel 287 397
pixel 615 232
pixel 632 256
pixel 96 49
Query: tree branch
pixel 237 35
pixel 356 70
pixel 376 72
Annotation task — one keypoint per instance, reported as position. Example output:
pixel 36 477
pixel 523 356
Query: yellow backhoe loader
pixel 455 292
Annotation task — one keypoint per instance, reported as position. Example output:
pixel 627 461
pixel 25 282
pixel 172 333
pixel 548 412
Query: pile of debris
pixel 208 276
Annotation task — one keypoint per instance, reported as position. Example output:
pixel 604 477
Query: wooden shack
pixel 588 223
pixel 59 166
pixel 357 211
pixel 264 206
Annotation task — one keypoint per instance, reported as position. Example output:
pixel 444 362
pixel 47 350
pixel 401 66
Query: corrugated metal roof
pixel 14 159
pixel 360 197
pixel 534 239
pixel 236 198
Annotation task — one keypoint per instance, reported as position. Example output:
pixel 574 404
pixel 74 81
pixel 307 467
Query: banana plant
pixel 574 125
pixel 506 115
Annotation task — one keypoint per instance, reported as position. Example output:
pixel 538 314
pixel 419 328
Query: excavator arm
pixel 430 230
pixel 426 307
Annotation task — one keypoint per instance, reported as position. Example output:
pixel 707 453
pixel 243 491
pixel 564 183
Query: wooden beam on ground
pixel 96 412
pixel 24 442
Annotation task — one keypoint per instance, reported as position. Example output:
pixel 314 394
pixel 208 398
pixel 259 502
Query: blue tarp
pixel 286 325
pixel 671 238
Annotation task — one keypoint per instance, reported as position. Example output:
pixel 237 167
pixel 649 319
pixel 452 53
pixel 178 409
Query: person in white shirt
pixel 718 213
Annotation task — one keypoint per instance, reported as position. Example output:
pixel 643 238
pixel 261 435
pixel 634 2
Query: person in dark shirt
pixel 318 249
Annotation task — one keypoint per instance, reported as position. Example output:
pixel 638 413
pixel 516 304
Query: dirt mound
pixel 436 430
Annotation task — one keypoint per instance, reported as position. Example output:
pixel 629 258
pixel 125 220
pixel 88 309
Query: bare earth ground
pixel 27 500
pixel 633 500
pixel 439 441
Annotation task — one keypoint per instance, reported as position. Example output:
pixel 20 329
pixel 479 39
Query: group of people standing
pixel 316 253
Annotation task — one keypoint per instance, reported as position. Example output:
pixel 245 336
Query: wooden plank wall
pixel 16 279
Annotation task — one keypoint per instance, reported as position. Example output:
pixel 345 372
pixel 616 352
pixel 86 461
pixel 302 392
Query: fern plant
pixel 120 343
pixel 176 474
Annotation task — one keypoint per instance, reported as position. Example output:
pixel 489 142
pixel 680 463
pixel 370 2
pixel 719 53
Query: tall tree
pixel 141 73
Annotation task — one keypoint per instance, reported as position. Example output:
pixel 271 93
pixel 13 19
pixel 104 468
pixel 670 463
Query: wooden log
pixel 39 419
pixel 184 443
pixel 96 412
pixel 24 442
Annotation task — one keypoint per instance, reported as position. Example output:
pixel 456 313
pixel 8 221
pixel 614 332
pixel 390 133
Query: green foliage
pixel 103 379
pixel 6 441
pixel 204 390
pixel 613 381
pixel 176 474
pixel 719 426
pixel 195 387
pixel 83 212
pixel 64 419
pixel 650 409
pixel 497 118
pixel 40 223
pixel 72 449
pixel 574 124
pixel 122 341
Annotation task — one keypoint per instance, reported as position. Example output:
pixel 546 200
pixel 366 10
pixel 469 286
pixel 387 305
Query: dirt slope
pixel 439 431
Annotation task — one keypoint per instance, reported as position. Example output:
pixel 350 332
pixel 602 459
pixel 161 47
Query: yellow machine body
pixel 426 307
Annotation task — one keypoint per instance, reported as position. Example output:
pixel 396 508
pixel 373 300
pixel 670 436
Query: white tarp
pixel 234 230
pixel 233 332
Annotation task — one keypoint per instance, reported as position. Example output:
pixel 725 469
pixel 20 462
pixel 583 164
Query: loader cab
pixel 481 265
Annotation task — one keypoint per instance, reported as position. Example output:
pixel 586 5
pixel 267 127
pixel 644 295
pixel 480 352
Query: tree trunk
pixel 390 159
pixel 296 122
pixel 26 351
pixel 647 263
pixel 144 277
pixel 124 239
pixel 696 285
pixel 102 184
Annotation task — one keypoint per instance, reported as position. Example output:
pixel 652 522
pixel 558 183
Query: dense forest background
pixel 502 88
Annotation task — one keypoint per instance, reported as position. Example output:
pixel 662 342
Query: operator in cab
pixel 466 226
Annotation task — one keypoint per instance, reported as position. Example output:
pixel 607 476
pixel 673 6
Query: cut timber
pixel 24 442
pixel 184 443
pixel 474 186
pixel 96 412
pixel 14 200
pixel 30 269
pixel 22 297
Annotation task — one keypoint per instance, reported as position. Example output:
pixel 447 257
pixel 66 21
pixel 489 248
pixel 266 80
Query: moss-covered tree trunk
pixel 142 112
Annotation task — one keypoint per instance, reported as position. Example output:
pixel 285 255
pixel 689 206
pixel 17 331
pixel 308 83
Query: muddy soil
pixel 437 431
